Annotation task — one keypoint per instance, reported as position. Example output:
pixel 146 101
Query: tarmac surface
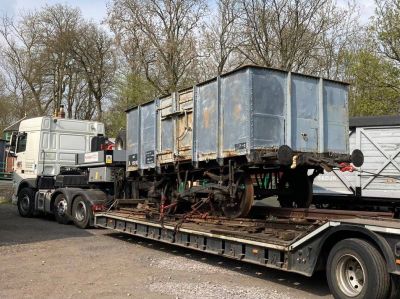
pixel 40 258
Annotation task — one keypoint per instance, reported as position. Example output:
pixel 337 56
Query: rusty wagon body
pixel 256 120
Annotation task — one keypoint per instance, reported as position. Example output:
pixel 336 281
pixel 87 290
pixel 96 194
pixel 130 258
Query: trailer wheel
pixel 26 202
pixel 81 213
pixel 355 269
pixel 60 208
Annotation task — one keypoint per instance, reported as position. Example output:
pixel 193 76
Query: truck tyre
pixel 81 213
pixel 26 202
pixel 355 269
pixel 394 287
pixel 60 209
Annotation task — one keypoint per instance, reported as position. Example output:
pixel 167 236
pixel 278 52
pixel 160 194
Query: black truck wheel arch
pixel 27 183
pixel 92 196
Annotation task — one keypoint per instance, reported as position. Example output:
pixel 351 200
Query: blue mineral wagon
pixel 247 134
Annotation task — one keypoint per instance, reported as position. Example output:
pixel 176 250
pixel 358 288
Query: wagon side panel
pixel 206 122
pixel 235 103
pixel 132 138
pixel 269 108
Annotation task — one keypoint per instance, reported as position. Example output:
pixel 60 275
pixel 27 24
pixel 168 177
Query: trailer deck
pixel 286 239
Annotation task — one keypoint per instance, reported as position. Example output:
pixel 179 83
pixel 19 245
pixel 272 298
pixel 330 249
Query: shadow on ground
pixel 316 285
pixel 17 230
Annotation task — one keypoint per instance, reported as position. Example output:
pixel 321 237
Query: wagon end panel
pixel 206 122
pixel 269 93
pixel 336 121
pixel 304 113
pixel 132 138
pixel 148 135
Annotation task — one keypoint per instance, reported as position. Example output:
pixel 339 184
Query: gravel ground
pixel 42 259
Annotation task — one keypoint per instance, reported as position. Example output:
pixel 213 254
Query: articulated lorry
pixel 194 161
pixel 44 146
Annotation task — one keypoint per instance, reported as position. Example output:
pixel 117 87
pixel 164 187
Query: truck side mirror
pixel 13 141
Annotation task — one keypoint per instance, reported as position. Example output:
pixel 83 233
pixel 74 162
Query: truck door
pixel 20 148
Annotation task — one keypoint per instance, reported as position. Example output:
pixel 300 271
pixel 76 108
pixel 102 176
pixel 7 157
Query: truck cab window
pixel 21 143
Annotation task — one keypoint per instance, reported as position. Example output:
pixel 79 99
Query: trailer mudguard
pixel 338 233
pixel 92 196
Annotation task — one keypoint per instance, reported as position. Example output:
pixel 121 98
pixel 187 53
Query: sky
pixel 96 9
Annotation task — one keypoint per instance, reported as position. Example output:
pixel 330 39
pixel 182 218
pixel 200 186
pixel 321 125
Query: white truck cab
pixel 43 145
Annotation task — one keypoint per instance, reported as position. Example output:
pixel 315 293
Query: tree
pixel 95 56
pixel 375 85
pixel 221 38
pixel 53 57
pixel 131 90
pixel 8 113
pixel 387 30
pixel 23 56
pixel 295 35
pixel 374 70
pixel 160 37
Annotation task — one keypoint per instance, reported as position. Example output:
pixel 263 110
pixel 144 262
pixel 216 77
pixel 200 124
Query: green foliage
pixel 132 90
pixel 375 84
pixel 8 112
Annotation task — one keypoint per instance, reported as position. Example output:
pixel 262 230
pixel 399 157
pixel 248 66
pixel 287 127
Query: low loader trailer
pixel 360 251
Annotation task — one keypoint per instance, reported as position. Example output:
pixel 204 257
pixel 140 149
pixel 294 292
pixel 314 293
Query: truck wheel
pixel 355 269
pixel 394 287
pixel 26 202
pixel 81 213
pixel 60 209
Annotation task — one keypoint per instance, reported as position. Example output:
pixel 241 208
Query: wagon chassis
pixel 285 176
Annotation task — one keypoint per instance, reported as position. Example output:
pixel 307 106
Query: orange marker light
pixel 398 261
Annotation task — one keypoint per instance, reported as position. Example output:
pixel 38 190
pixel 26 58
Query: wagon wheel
pixel 296 187
pixel 171 199
pixel 176 205
pixel 242 202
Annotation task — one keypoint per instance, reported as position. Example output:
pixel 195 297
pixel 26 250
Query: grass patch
pixel 4 200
